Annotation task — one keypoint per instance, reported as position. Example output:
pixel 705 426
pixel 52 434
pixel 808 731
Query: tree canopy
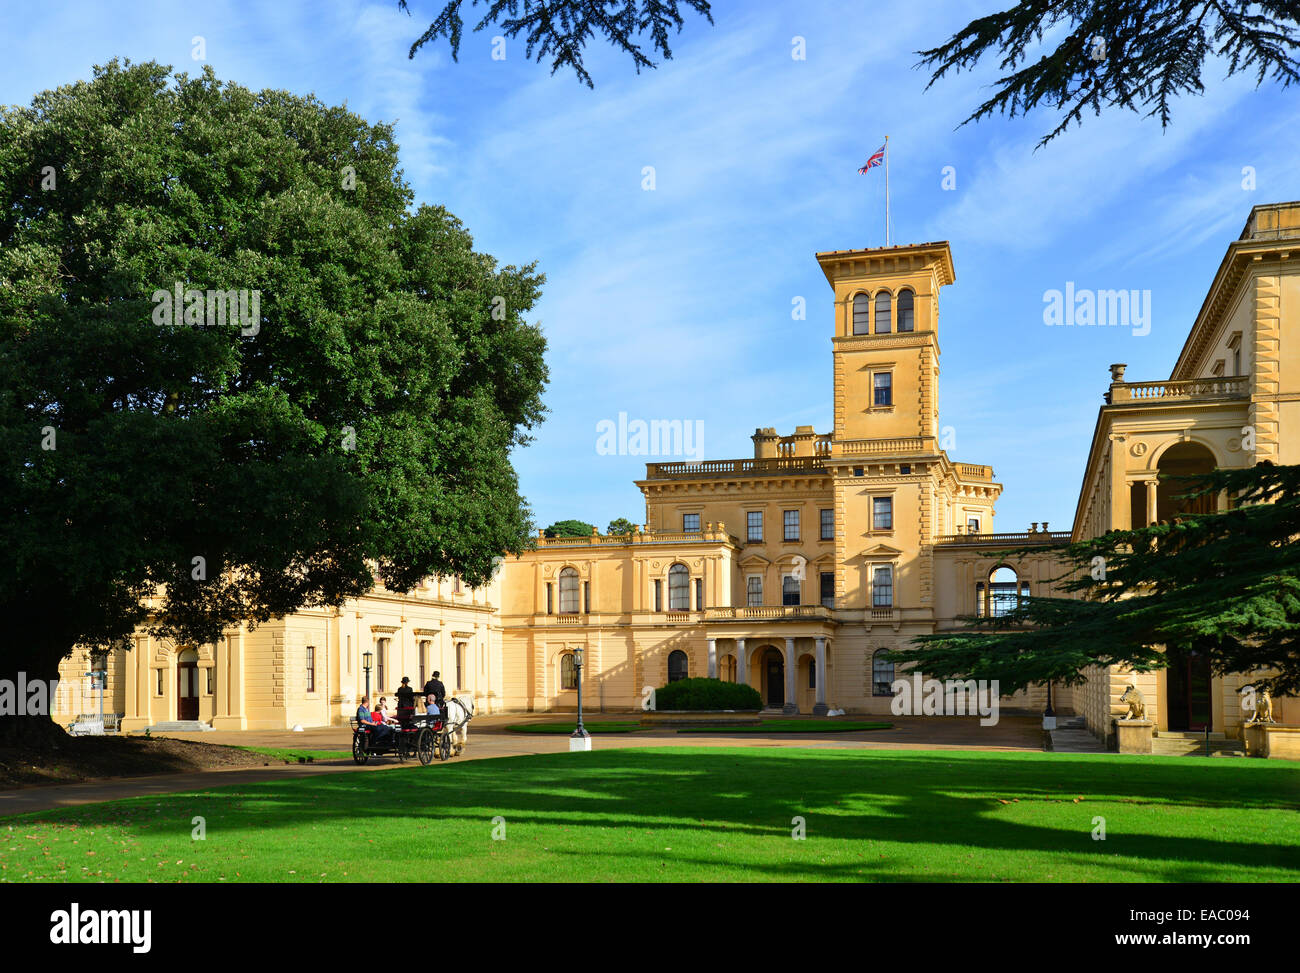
pixel 561 29
pixel 352 415
pixel 1225 584
pixel 620 525
pixel 570 528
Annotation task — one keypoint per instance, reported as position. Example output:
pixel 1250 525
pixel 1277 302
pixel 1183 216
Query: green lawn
pixel 700 814
pixel 608 726
pixel 793 726
pixel 295 755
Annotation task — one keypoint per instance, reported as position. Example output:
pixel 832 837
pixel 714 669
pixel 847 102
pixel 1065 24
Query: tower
pixel 885 344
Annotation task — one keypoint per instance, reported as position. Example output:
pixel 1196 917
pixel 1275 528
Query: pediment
pixel 881 550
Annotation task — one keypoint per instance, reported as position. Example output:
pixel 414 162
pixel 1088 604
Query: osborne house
pixel 798 568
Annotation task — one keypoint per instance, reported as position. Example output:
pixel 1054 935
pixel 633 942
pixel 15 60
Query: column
pixel 1151 502
pixel 713 658
pixel 790 705
pixel 820 709
pixel 742 666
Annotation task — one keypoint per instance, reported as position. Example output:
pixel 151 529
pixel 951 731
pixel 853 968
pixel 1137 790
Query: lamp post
pixel 367 660
pixel 581 739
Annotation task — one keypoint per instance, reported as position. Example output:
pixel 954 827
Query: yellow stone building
pixel 792 570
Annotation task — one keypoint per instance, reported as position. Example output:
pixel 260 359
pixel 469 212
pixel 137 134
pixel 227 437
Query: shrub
pixel 704 694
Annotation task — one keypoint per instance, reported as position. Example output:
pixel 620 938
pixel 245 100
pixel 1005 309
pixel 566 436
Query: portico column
pixel 1151 502
pixel 790 705
pixel 742 667
pixel 713 658
pixel 820 709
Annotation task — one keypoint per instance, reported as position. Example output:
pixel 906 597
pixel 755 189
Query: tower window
pixel 882 313
pixel 882 513
pixel 906 316
pixel 690 523
pixel 861 314
pixel 882 384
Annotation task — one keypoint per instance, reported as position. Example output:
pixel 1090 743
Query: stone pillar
pixel 742 666
pixel 791 706
pixel 1152 488
pixel 713 658
pixel 820 709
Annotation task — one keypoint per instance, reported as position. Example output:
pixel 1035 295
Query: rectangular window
pixel 973 524
pixel 882 588
pixel 754 592
pixel 586 597
pixel 381 650
pixel 691 523
pixel 311 668
pixel 754 526
pixel 828 589
pixel 659 595
pixel 160 682
pixel 460 665
pixel 828 525
pixel 1236 361
pixel 424 654
pixel 791 525
pixel 212 680
pixel 882 513
pixel 699 594
pixel 550 599
pixel 789 590
pixel 883 384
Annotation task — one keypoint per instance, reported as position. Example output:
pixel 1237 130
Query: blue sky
pixel 675 303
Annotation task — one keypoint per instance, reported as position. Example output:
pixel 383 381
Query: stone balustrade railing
pixel 767 613
pixel 708 469
pixel 866 447
pixel 1195 388
pixel 995 541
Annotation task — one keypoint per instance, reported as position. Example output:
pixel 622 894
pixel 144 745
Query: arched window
pixel 676 665
pixel 679 588
pixel 568 592
pixel 882 313
pixel 568 672
pixel 882 674
pixel 906 315
pixel 1003 589
pixel 861 314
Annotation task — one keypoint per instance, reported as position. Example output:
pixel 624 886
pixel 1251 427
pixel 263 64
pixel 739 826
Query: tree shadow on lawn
pixel 910 797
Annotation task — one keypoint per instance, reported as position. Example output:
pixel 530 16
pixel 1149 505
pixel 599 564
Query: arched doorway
pixel 1182 459
pixel 187 685
pixel 774 677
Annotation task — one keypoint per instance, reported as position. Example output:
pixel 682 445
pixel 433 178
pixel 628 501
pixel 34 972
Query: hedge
pixel 707 694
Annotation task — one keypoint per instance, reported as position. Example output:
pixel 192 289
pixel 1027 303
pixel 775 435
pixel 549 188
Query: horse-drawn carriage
pixel 415 737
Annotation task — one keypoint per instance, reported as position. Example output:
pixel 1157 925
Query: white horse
pixel 460 710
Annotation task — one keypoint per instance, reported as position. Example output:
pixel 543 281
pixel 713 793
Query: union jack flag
pixel 875 159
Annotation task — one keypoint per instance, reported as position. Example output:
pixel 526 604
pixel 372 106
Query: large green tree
pixel 1225 584
pixel 360 422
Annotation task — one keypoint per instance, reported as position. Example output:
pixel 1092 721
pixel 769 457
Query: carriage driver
pixel 435 697
pixel 405 702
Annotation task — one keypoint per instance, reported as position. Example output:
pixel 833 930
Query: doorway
pixel 187 685
pixel 1188 691
pixel 774 669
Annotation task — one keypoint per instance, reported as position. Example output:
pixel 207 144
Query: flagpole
pixel 886 190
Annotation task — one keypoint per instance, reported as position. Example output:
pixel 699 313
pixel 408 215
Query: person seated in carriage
pixel 375 721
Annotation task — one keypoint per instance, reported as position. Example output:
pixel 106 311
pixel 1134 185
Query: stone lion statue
pixel 1137 703
pixel 1263 707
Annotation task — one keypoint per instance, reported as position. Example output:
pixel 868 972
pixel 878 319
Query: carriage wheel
pixel 424 746
pixel 359 752
pixel 444 746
